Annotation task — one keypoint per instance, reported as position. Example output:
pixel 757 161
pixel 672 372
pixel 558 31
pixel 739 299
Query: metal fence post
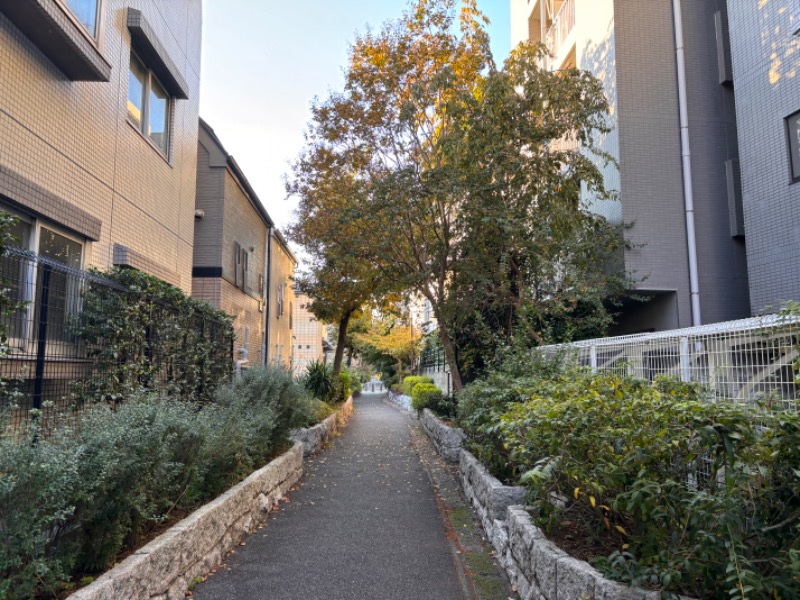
pixel 41 341
pixel 593 358
pixel 686 368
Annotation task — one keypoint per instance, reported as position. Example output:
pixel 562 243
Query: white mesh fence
pixel 751 361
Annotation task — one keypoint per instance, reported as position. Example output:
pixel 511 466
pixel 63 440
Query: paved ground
pixel 363 525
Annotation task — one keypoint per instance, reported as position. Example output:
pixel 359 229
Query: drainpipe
pixel 686 155
pixel 267 303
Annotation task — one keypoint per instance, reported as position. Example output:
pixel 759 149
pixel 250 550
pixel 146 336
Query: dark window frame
pixel 793 148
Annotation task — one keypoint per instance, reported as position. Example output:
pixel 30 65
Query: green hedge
pixel 70 502
pixel 424 395
pixel 342 390
pixel 693 497
pixel 412 380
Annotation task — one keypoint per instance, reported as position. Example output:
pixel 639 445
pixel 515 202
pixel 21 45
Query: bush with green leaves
pixel 516 373
pixel 144 332
pixel 423 395
pixel 72 500
pixel 697 498
pixel 412 380
pixel 342 389
pixel 318 380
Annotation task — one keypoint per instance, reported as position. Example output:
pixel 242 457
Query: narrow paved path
pixel 363 525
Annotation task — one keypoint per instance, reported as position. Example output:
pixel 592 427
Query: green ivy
pixel 149 334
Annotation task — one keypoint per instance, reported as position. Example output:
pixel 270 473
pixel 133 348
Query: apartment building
pixel 280 325
pixel 765 64
pixel 673 113
pixel 231 245
pixel 310 335
pixel 98 130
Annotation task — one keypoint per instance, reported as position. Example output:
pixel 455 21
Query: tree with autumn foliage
pixel 389 333
pixel 456 185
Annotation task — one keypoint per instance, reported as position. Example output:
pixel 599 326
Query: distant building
pixel 98 130
pixel 280 325
pixel 231 245
pixel 678 176
pixel 310 335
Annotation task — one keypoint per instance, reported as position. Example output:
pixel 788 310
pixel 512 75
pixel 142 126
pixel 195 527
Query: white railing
pixel 744 361
pixel 563 24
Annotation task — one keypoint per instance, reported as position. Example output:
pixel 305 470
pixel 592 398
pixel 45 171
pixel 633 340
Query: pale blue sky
pixel 264 61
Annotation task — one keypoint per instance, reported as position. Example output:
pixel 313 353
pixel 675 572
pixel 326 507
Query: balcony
pixel 560 32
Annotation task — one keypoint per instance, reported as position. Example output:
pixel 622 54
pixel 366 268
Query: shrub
pixel 517 373
pixel 412 380
pixel 696 498
pixel 445 407
pixel 319 380
pixel 71 501
pixel 342 390
pixel 423 395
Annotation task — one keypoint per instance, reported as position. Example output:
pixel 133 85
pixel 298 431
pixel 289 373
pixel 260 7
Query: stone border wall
pixel 489 497
pixel 447 440
pixel 538 568
pixel 401 400
pixel 314 437
pixel 166 567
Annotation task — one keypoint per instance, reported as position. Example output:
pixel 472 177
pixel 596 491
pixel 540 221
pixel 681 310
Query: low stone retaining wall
pixel 314 437
pixel 490 498
pixel 447 440
pixel 542 571
pixel 401 400
pixel 539 569
pixel 166 567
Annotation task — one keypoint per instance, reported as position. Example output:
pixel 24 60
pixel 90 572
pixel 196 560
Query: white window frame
pixel 143 124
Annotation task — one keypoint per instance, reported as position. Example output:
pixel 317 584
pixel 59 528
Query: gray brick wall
pixel 73 139
pixel 766 70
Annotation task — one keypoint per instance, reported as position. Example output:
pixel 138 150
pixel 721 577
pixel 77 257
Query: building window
pixel 793 131
pixel 87 12
pixel 25 281
pixel 279 301
pixel 149 105
pixel 241 266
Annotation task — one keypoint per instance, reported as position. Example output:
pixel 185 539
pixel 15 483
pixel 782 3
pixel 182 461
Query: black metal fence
pixel 432 359
pixel 72 337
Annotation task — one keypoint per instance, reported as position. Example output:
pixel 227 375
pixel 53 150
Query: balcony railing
pixel 563 24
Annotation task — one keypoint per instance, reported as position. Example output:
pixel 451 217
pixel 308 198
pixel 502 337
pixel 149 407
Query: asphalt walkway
pixel 363 525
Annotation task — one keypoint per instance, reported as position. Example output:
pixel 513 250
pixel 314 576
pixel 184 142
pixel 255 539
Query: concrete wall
pixel 73 140
pixel 766 74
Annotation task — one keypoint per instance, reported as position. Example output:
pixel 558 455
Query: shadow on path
pixel 362 525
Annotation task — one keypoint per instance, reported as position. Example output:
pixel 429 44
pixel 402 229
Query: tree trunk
pixel 340 342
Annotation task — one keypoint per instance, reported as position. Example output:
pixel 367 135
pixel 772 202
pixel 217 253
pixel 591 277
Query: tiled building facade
pixel 309 335
pixel 98 129
pixel 280 327
pixel 231 250
pixel 765 51
pixel 676 172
